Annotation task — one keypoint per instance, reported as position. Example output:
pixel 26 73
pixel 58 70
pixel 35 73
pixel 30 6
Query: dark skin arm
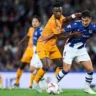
pixel 68 35
pixel 61 36
pixel 68 18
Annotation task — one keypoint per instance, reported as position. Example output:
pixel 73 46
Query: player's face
pixel 57 11
pixel 35 23
pixel 86 21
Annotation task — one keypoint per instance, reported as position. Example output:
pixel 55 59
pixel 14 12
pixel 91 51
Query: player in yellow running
pixel 49 51
pixel 28 54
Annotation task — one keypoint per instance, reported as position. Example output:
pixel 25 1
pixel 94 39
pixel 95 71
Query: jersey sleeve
pixel 29 32
pixel 54 28
pixel 71 27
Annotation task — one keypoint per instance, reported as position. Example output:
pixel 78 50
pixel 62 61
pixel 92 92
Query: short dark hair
pixel 37 17
pixel 86 13
pixel 57 4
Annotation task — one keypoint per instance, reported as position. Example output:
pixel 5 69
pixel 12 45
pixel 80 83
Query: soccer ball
pixel 52 88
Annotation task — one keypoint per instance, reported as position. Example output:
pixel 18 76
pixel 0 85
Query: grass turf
pixel 29 92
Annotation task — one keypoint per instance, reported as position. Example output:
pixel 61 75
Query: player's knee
pixel 22 66
pixel 32 69
pixel 60 65
pixel 67 67
pixel 45 67
pixel 90 69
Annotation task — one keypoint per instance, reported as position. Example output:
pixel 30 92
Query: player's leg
pixel 57 58
pixel 40 73
pixel 1 87
pixel 65 71
pixel 89 76
pixel 85 60
pixel 35 64
pixel 0 79
pixel 46 63
pixel 68 56
pixel 59 64
pixel 24 61
pixel 33 71
pixel 19 73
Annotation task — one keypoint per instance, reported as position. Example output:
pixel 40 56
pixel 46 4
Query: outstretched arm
pixel 25 38
pixel 61 36
pixel 68 35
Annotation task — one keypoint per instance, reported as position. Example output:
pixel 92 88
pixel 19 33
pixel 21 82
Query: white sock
pixel 60 75
pixel 88 78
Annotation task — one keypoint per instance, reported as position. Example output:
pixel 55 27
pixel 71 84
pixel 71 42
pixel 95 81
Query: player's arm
pixel 46 38
pixel 69 31
pixel 24 39
pixel 64 33
pixel 61 36
pixel 71 17
pixel 68 35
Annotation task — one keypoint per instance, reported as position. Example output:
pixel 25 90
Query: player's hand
pixel 77 14
pixel 43 38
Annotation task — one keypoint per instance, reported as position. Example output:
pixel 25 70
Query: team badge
pixel 90 31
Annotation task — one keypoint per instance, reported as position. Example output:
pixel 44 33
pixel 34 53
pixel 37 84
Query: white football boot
pixel 1 86
pixel 37 87
pixel 15 86
pixel 88 90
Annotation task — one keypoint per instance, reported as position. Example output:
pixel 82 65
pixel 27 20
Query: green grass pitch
pixel 29 92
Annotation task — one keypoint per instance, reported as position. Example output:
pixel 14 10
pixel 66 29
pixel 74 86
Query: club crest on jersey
pixel 69 26
pixel 90 31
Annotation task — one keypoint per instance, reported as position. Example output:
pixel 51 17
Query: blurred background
pixel 15 20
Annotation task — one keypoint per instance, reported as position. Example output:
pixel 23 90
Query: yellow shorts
pixel 51 52
pixel 27 55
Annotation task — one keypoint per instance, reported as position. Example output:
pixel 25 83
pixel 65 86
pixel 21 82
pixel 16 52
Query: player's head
pixel 36 21
pixel 57 10
pixel 86 18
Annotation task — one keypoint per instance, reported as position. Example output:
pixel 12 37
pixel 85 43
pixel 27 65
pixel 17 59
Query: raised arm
pixel 71 17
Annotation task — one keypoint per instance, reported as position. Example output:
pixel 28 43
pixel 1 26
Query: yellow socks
pixel 19 73
pixel 31 79
pixel 39 75
pixel 0 79
pixel 57 71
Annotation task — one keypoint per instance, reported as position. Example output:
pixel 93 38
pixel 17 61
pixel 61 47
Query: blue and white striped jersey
pixel 87 32
pixel 36 35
